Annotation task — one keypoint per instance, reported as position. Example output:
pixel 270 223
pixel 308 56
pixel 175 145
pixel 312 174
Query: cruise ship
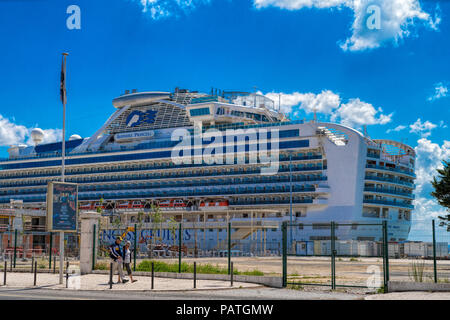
pixel 224 156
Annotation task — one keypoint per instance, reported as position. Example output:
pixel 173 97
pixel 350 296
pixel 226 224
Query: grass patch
pixel 160 266
pixel 294 287
pixel 101 266
pixel 416 271
pixel 42 264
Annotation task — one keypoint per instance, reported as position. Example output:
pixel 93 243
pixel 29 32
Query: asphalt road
pixel 229 294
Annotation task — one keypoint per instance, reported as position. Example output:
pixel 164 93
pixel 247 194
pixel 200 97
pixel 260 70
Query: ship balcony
pixel 388 203
pixel 390 191
pixel 323 190
pixel 373 155
pixel 387 169
pixel 275 203
pixel 320 201
pixel 390 180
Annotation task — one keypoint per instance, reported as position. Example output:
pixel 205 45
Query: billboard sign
pixel 62 207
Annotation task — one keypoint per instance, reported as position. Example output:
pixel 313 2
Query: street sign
pixel 62 207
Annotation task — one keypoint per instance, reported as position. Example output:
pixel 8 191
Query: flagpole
pixel 63 156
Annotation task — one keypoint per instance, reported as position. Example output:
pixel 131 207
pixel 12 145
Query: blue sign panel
pixel 62 207
pixel 137 117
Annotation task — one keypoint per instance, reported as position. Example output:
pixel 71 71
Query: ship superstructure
pixel 164 149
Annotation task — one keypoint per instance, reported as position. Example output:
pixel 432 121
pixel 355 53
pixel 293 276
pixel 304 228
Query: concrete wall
pixel 399 286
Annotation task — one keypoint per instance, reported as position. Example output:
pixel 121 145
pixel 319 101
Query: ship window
pixel 199 112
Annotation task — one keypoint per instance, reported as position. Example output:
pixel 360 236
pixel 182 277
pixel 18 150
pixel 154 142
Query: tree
pixel 173 226
pixel 441 185
pixel 155 219
pixel 100 207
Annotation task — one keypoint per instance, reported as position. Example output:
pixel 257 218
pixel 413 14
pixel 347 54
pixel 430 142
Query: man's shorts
pixel 127 266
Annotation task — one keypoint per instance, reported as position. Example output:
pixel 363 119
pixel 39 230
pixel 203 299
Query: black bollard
pixel 110 275
pixel 54 264
pixel 32 264
pixel 153 275
pixel 231 274
pixel 11 266
pixel 35 271
pixel 195 274
pixel 4 273
pixel 67 274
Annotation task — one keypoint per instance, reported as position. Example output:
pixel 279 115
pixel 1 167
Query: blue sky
pixel 318 54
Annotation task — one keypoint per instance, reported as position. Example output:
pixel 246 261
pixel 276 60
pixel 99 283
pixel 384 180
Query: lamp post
pixel 290 196
pixel 63 155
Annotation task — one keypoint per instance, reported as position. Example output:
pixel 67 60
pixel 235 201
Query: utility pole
pixel 63 155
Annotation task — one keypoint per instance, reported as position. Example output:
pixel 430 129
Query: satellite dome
pixel 74 137
pixel 37 135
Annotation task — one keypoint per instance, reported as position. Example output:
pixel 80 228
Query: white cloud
pixel 357 113
pixel 165 8
pixel 396 19
pixel 429 156
pixel 440 91
pixel 324 102
pixel 11 133
pixel 396 129
pixel 423 129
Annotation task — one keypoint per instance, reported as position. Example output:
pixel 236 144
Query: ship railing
pixel 384 190
pixel 390 203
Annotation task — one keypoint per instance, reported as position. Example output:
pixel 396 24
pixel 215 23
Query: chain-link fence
pixel 314 255
pixel 317 254
pixel 177 245
pixel 425 257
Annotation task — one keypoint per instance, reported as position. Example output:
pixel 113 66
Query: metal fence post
pixel 229 247
pixel 93 246
pixel 231 274
pixel 179 249
pixel 111 275
pixel 35 272
pixel 153 275
pixel 284 253
pixel 135 247
pixel 50 253
pixel 54 264
pixel 333 256
pixel 434 253
pixel 195 274
pixel 385 256
pixel 15 247
pixel 4 273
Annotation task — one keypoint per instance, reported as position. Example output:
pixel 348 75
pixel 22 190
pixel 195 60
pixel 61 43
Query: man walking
pixel 115 253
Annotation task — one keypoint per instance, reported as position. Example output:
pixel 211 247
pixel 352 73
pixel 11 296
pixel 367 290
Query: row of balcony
pixel 243 202
pixel 264 180
pixel 172 175
pixel 183 192
pixel 389 203
pixel 387 179
pixel 404 171
pixel 157 166
pixel 390 191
